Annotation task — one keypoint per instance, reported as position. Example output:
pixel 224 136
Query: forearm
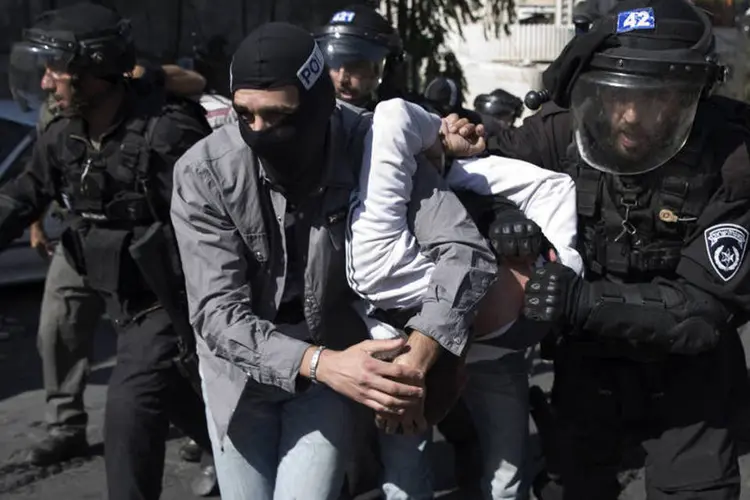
pixel 667 313
pixel 219 295
pixel 383 259
pixel 424 350
pixel 25 198
pixel 181 81
pixel 465 267
pixel 15 217
pixel 542 139
pixel 257 346
pixel 545 197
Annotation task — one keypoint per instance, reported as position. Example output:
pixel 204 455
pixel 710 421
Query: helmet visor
pixel 346 50
pixel 631 124
pixel 29 64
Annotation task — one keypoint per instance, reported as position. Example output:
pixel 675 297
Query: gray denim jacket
pixel 230 233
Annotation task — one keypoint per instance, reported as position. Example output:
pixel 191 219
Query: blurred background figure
pixel 443 96
pixel 499 110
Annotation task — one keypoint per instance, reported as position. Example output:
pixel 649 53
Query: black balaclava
pixel 292 152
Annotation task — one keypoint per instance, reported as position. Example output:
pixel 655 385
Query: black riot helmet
pixel 84 38
pixel 634 81
pixel 357 35
pixel 499 104
pixel 444 95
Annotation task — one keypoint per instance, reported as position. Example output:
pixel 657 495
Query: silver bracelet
pixel 314 364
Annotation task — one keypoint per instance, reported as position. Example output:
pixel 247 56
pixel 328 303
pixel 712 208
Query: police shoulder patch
pixel 309 72
pixel 726 245
pixel 637 19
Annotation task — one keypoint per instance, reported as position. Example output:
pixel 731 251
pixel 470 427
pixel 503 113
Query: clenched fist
pixel 462 138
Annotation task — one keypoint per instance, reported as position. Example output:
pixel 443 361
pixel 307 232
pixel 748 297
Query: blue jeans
pixel 285 450
pixel 496 395
pixel 407 473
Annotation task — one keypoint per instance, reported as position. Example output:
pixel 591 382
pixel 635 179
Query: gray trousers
pixel 68 319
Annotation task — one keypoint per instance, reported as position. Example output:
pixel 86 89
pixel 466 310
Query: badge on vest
pixel 726 245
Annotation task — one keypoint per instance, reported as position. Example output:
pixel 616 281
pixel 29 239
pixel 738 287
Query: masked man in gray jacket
pixel 260 209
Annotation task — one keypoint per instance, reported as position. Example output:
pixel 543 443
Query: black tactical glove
pixel 553 295
pixel 513 235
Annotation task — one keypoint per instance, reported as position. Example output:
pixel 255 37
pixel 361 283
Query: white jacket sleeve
pixel 384 264
pixel 548 198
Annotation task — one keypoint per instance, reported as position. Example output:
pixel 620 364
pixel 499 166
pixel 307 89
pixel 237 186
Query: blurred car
pixel 19 263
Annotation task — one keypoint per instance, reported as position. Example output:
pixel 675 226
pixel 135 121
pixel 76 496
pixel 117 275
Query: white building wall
pixel 512 62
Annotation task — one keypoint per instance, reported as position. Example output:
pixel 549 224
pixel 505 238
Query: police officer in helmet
pixel 649 345
pixel 499 109
pixel 364 55
pixel 108 159
pixel 443 96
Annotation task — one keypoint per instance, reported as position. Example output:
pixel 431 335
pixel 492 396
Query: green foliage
pixel 425 25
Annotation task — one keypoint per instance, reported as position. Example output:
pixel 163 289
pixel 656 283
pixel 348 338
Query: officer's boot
pixel 60 445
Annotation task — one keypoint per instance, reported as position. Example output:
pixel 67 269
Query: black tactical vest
pixel 110 193
pixel 632 228
pixel 110 186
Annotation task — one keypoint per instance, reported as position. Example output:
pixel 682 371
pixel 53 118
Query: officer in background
pixel 499 109
pixel 649 342
pixel 443 96
pixel 108 160
pixel 365 56
pixel 70 309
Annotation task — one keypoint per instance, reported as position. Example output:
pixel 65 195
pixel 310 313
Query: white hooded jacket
pixel 384 262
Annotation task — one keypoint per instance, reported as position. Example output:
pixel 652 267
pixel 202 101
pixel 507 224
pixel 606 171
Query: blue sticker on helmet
pixel 638 19
pixel 343 16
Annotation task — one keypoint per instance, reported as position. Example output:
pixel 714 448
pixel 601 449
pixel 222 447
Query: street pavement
pixel 22 419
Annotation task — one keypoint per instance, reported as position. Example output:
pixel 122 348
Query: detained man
pixel 387 268
pixel 259 209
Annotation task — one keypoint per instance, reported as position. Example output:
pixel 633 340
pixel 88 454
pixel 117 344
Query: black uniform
pixel 102 186
pixel 649 347
pixel 679 404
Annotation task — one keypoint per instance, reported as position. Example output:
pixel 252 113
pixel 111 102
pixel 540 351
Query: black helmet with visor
pixel 500 104
pixel 83 38
pixel 359 35
pixel 634 81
